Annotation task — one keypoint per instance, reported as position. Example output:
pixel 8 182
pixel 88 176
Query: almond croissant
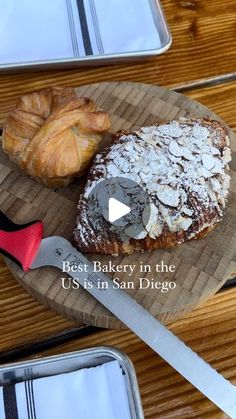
pixel 183 168
pixel 53 135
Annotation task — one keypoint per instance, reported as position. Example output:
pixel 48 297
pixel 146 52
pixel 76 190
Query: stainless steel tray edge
pixel 86 61
pixel 105 59
pixel 46 366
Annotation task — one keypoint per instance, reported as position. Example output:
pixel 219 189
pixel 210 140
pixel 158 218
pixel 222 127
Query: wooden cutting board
pixel 201 266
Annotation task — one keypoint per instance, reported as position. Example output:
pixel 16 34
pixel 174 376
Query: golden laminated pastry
pixel 182 165
pixel 53 135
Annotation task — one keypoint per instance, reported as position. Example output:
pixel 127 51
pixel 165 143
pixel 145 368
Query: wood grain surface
pixel 204 47
pixel 203 51
pixel 202 266
pixel 22 319
pixel 19 312
pixel 220 98
pixel 209 330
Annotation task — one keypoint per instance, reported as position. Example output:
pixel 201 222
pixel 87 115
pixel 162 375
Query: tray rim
pixel 105 59
pixel 125 363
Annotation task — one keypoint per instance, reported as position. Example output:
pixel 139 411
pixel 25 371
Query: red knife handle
pixel 20 242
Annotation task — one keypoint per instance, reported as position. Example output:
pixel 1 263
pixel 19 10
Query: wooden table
pixel 202 64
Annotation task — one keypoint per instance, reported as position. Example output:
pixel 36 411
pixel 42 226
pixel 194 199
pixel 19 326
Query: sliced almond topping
pixel 203 172
pixel 136 232
pixel 187 154
pixel 155 231
pixel 175 149
pixel 208 161
pixel 227 155
pixel 185 223
pixel 200 133
pixel 172 130
pixel 168 196
pixel 150 216
pixel 187 211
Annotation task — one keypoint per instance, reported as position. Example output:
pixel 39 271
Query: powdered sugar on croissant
pixel 53 135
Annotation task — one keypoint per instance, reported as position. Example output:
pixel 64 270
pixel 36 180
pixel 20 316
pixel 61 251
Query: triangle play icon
pixel 116 210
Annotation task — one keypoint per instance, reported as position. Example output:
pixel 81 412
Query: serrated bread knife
pixel 24 245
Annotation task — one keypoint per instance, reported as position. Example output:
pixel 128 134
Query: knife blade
pixel 56 251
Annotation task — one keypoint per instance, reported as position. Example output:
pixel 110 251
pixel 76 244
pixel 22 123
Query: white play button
pixel 117 210
pixel 119 202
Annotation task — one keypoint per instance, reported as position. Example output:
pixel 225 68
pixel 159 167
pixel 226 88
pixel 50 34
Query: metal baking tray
pixel 59 364
pixel 81 34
